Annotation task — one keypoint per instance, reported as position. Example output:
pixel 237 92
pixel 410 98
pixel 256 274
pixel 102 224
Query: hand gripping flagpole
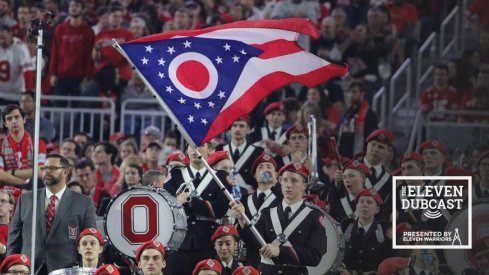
pixel 190 141
pixel 36 29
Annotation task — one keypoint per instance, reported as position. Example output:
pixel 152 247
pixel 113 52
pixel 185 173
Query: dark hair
pixel 64 161
pixel 442 67
pixel 81 164
pixel 357 84
pixel 140 172
pixel 75 183
pixel 115 7
pixel 10 108
pixel 10 196
pixel 29 93
pixel 109 148
pixel 77 146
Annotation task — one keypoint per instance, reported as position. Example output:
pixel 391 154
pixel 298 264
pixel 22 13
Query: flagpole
pixel 190 142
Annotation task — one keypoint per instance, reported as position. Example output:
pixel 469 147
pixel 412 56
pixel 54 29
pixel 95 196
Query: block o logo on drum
pixel 137 213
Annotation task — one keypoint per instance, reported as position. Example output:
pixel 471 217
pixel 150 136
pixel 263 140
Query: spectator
pixel 28 105
pixel 23 21
pixel 85 174
pixel 138 27
pixel 151 154
pixel 71 61
pixel 106 173
pixel 150 134
pixel 358 122
pixel 16 56
pixel 478 12
pixel 5 14
pixel 481 188
pixel 126 149
pixel 70 148
pixel 82 139
pixel 16 165
pixel 58 207
pixel 6 206
pixel 103 20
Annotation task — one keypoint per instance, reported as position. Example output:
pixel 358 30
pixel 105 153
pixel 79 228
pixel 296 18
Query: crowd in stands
pixel 372 37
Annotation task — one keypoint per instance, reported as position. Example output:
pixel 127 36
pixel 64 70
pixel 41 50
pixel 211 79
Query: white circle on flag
pixel 206 62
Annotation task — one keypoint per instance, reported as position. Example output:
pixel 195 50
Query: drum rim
pixel 474 203
pixel 111 243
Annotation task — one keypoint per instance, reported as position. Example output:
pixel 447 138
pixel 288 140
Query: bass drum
pixel 140 214
pixel 458 259
pixel 333 258
pixel 73 271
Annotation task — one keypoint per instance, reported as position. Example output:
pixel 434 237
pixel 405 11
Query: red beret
pixel 148 245
pixel 314 198
pixel 246 270
pixel 480 247
pixel 356 165
pixel 245 118
pixel 400 228
pixel 15 259
pixel 369 193
pixel 217 156
pixel 433 144
pixel 106 269
pixel 224 230
pixel 262 158
pixel 208 264
pixel 116 137
pixel 181 157
pixel 484 155
pixel 410 156
pixel 296 168
pixel 91 231
pixel 455 171
pixel 381 135
pixel 274 106
pixel 296 129
pixel 392 265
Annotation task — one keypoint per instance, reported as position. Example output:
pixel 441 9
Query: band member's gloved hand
pixel 270 250
pixel 182 197
pixel 238 210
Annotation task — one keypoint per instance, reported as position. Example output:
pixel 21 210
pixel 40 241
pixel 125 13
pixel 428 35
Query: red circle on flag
pixel 193 75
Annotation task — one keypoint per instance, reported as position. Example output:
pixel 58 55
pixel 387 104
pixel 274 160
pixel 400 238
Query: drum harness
pixel 283 235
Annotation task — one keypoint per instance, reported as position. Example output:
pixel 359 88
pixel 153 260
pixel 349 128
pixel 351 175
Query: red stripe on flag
pixel 278 48
pixel 265 86
pixel 299 25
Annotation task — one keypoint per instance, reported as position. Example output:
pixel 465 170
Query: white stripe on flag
pixel 298 63
pixel 251 35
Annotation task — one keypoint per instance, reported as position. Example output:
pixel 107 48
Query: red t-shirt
pixel 481 8
pixel 109 55
pixel 400 15
pixel 439 100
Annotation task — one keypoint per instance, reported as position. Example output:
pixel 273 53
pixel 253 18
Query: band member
pixel 434 157
pixel 246 270
pixel 107 269
pixel 16 264
pixel 378 143
pixel 151 258
pixel 353 178
pixel 207 267
pixel 225 242
pixel 241 151
pixel 203 207
pixel 481 188
pixel 220 160
pixel 271 136
pixel 293 231
pixel 366 243
pixel 90 244
pixel 297 141
pixel 267 194
pixel 394 265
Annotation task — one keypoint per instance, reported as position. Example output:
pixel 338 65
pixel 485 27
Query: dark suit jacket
pixel 75 212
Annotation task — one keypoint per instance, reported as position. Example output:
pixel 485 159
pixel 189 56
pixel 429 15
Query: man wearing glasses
pixel 61 216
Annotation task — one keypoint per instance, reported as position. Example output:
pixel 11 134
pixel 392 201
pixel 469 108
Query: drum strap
pixel 256 213
pixel 291 227
pixel 348 232
pixel 347 207
pixel 379 234
pixel 186 175
pixel 383 180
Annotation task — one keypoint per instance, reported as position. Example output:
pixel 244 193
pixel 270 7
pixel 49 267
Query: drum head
pixel 73 271
pixel 139 215
pixel 331 261
pixel 458 260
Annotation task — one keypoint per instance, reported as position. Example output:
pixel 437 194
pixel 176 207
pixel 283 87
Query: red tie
pixel 50 213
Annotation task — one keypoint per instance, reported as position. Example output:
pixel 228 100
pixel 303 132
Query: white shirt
pixel 277 132
pixel 240 148
pixel 58 195
pixel 195 171
pixel 267 193
pixel 224 265
pixel 378 168
pixel 365 227
pixel 293 207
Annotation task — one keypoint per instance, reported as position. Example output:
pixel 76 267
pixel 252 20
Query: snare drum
pixel 138 215
pixel 73 271
pixel 458 260
pixel 333 258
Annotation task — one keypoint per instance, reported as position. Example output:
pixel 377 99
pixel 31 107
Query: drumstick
pixel 336 153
